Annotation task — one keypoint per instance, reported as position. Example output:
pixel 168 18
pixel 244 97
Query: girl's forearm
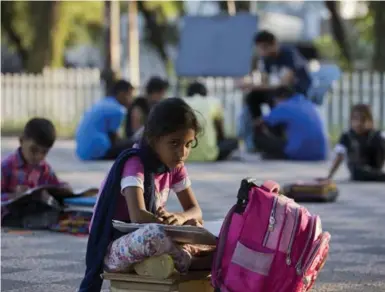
pixel 144 216
pixel 192 213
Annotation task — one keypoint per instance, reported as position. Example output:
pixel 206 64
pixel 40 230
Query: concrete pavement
pixel 45 261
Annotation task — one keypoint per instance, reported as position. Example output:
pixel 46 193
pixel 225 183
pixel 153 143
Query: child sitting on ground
pixel 293 129
pixel 27 168
pixel 136 190
pixel 363 146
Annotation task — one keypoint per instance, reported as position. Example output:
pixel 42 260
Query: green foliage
pixel 329 49
pixel 73 23
pixel 84 22
pixel 81 22
pixel 21 24
pixel 170 9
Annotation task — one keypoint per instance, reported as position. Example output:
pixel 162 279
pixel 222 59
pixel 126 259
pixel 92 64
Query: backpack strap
pixel 243 192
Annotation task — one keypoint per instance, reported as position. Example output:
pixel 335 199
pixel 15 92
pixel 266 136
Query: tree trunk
pixel 7 16
pixel 338 30
pixel 58 35
pixel 44 16
pixel 378 10
pixel 155 30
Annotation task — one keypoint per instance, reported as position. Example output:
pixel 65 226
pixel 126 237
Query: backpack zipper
pixel 270 227
pixel 313 254
pixel 294 231
pixel 299 264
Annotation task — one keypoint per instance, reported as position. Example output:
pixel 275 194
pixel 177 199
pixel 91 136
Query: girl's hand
pixel 169 218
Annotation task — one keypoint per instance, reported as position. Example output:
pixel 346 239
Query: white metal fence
pixel 63 95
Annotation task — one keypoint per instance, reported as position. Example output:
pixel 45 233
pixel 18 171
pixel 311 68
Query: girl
pixel 363 146
pixel 136 191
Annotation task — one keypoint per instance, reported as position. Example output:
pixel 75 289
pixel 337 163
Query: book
pixel 80 209
pixel 180 234
pixel 81 201
pixel 64 192
pixel 58 192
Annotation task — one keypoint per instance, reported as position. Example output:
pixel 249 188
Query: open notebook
pixel 55 191
pixel 182 234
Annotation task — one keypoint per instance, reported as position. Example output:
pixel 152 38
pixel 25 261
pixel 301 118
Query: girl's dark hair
pixel 168 116
pixel 364 110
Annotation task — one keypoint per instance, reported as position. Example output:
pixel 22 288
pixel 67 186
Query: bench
pixel 127 282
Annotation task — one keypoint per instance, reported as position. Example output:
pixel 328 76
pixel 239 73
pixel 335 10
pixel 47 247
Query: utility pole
pixel 111 68
pixel 133 43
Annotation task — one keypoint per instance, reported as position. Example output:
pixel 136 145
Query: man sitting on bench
pixel 279 65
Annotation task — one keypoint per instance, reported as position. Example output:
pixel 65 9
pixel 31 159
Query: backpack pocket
pixel 248 269
pixel 315 260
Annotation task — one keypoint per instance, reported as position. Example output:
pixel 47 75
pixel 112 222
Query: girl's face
pixel 359 123
pixel 173 149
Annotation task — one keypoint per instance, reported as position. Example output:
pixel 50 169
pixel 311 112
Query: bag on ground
pixel 268 243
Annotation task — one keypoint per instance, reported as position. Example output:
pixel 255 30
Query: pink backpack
pixel 268 243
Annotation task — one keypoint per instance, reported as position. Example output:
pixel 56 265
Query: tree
pixel 39 31
pixel 338 30
pixel 29 28
pixel 159 30
pixel 377 9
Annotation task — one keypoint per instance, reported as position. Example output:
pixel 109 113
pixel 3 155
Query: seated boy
pixel 363 146
pixel 303 135
pixel 97 134
pixel 213 145
pixel 26 167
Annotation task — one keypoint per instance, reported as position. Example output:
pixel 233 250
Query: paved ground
pixel 44 261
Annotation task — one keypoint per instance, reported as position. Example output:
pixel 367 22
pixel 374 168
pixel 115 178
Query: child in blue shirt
pixel 97 134
pixel 304 135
